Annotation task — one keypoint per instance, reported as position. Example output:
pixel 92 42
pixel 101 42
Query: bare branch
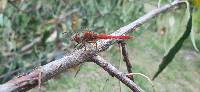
pixel 116 73
pixel 48 71
pixel 125 57
pixel 62 17
pixel 54 68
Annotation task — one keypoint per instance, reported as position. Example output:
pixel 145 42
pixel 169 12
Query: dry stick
pixel 62 17
pixel 30 45
pixel 54 68
pixel 125 58
pixel 116 73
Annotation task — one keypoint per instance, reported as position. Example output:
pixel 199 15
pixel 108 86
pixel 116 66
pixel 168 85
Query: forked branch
pixel 116 73
pixel 54 68
pixel 126 58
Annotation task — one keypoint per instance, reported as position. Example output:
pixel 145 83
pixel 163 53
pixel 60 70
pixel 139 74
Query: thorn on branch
pixel 39 81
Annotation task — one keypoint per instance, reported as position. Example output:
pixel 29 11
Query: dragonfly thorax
pixel 84 37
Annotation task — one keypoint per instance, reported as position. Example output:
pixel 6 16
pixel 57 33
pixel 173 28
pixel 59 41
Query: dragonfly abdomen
pixel 104 36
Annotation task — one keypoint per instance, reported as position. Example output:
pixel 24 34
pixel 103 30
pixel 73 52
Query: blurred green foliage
pixel 22 22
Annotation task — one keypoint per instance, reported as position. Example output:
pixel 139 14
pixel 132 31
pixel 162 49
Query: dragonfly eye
pixel 76 38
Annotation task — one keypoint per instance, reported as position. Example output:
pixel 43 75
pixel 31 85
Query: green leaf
pixel 172 52
pixel 46 34
pixel 192 36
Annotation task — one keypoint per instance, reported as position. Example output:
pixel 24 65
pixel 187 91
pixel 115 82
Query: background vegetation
pixel 40 23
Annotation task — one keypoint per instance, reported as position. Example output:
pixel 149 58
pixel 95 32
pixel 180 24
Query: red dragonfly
pixel 92 37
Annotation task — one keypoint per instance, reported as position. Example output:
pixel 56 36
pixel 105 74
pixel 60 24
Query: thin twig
pixel 116 73
pixel 62 17
pixel 143 75
pixel 126 58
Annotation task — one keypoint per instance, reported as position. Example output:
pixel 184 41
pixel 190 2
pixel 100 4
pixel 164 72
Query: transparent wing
pixel 66 35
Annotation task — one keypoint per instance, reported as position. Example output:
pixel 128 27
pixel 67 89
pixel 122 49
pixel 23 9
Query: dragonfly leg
pixel 76 45
pixel 94 42
pixel 84 45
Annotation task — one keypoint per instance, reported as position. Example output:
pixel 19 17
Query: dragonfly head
pixel 76 38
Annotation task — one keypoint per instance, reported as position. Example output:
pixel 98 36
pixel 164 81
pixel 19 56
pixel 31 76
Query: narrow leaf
pixel 192 36
pixel 172 52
